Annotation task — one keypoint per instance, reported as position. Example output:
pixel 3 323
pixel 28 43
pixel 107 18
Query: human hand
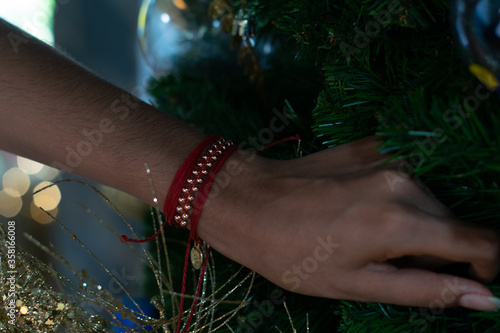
pixel 330 225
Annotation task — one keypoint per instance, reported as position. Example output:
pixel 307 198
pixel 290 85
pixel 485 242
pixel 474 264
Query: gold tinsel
pixel 45 300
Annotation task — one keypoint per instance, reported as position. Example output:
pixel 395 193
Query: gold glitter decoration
pixel 46 301
pixel 31 287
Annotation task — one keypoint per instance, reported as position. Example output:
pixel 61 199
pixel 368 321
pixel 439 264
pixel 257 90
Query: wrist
pixel 228 222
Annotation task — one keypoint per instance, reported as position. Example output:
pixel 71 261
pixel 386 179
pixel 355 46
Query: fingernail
pixel 480 302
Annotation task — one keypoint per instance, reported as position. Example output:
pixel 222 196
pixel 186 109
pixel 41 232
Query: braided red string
pixel 182 175
pixel 201 198
pixel 176 188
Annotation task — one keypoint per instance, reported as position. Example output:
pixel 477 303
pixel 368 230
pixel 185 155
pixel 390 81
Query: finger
pixel 454 241
pixel 414 287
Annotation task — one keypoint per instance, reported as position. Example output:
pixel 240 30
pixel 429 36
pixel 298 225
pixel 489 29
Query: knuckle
pixel 395 220
pixel 389 173
pixel 393 181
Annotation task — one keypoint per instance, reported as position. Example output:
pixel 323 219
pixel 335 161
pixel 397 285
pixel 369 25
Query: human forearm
pixel 55 112
pixel 58 113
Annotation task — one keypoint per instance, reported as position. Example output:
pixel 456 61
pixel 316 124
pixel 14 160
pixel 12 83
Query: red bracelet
pixel 197 181
pixel 198 189
pixel 191 185
pixel 184 203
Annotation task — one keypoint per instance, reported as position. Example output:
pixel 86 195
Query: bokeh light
pixel 48 198
pixel 181 4
pixel 40 216
pixel 47 173
pixel 165 18
pixel 10 205
pixel 23 310
pixel 28 166
pixel 16 182
pixel 33 16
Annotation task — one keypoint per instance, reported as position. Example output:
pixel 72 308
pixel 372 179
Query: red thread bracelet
pixel 215 158
pixel 185 200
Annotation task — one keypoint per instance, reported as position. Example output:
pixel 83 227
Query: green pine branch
pixel 389 68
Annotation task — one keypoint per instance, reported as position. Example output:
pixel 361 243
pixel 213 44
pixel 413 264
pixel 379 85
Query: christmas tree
pixel 344 70
pixel 332 72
